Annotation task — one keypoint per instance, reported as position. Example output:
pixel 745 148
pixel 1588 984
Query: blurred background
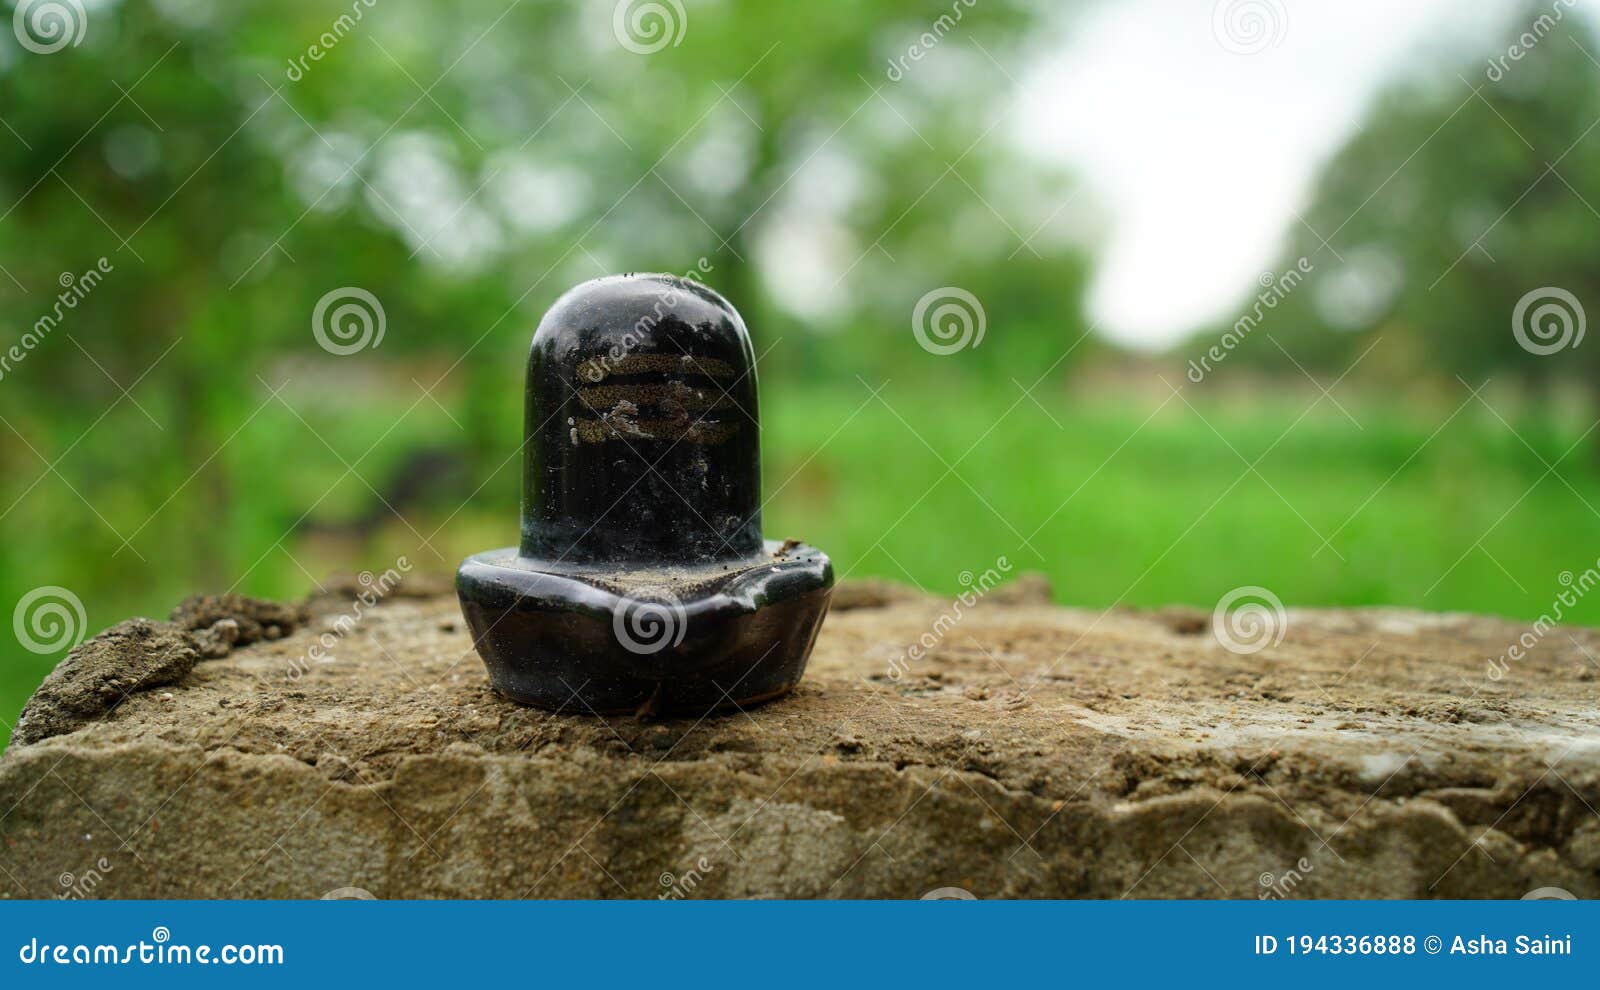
pixel 1161 298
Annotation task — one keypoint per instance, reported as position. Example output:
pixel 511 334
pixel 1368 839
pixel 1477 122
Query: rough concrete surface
pixel 1035 751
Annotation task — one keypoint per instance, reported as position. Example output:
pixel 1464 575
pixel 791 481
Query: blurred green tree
pixel 237 165
pixel 1461 197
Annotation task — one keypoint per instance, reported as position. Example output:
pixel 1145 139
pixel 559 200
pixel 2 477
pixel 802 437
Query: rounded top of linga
pixel 641 427
pixel 642 581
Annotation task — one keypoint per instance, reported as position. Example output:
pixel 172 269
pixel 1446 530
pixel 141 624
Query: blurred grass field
pixel 1122 495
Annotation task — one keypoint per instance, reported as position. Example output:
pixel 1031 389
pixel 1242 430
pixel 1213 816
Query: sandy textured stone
pixel 97 676
pixel 1037 751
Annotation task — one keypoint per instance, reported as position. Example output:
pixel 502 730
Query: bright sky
pixel 1203 157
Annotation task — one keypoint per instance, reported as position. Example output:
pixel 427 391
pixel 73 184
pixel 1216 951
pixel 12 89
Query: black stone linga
pixel 642 582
